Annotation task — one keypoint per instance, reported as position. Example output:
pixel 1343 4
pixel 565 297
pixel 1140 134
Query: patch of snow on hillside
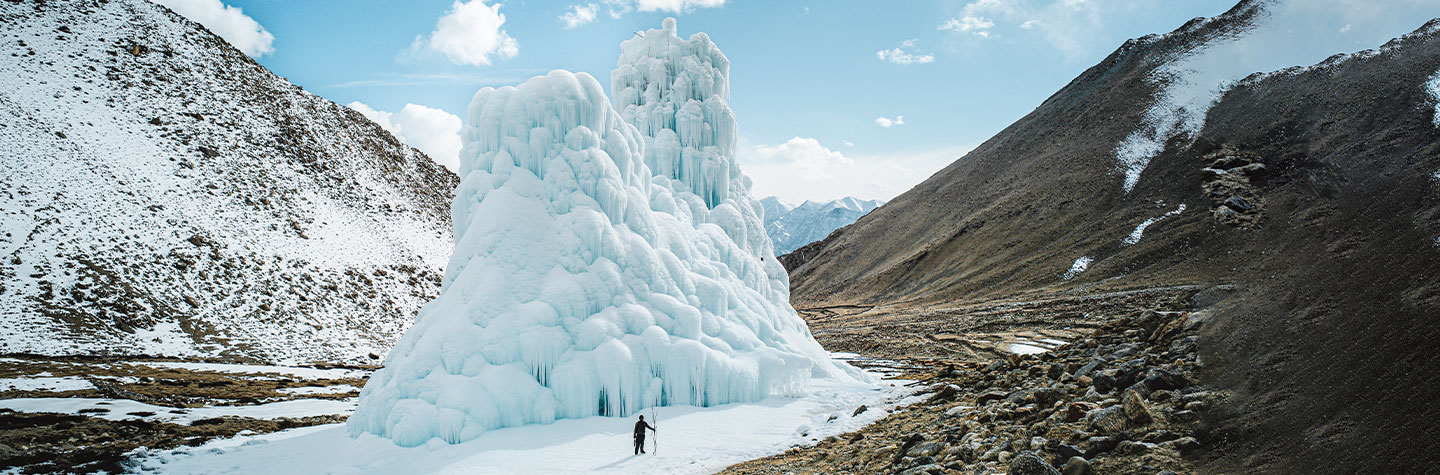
pixel 1077 267
pixel 1432 86
pixel 1287 33
pixel 1139 231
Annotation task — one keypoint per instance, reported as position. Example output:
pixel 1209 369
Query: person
pixel 640 427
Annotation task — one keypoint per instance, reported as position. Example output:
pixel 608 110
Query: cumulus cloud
pixel 579 15
pixel 901 56
pixel 229 22
pixel 675 6
pixel 979 26
pixel 471 33
pixel 806 155
pixel 804 169
pixel 888 122
pixel 433 131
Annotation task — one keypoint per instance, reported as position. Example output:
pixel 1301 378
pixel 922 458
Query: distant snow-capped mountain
pixel 165 195
pixel 792 226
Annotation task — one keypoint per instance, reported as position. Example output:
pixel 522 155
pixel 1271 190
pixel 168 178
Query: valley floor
pixel 1108 379
pixel 1049 375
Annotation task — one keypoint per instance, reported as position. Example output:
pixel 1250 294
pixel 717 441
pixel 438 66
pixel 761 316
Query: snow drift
pixel 582 283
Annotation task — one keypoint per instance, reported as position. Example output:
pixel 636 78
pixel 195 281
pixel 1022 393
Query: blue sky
pixel 810 81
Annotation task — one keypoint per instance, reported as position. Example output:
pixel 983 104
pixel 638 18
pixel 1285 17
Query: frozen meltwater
pixel 591 277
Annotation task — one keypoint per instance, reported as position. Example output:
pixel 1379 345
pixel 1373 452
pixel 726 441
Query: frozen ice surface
pixel 691 440
pixel 582 283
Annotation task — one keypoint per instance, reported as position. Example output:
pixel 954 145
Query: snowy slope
pixel 163 194
pixel 791 227
pixel 586 283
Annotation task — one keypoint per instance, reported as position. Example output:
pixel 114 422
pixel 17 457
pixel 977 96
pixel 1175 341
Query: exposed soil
pixel 62 443
pixel 79 443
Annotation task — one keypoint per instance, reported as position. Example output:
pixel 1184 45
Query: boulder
pixel 1075 466
pixel 859 410
pixel 1027 463
pixel 928 469
pixel 927 449
pixel 1109 421
pixel 1135 407
pixel 945 393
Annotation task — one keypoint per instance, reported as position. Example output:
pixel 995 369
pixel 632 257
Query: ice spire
pixel 582 284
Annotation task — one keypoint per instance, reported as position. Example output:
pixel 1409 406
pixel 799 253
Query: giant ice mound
pixel 582 284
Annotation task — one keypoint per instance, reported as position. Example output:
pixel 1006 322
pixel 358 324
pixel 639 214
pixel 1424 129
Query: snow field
pixel 691 440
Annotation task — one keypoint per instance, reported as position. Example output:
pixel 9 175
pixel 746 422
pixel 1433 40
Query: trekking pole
pixel 653 417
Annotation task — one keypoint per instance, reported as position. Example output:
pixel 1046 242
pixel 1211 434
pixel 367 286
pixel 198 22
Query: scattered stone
pixel 1027 463
pixel 990 396
pixel 928 469
pixel 1075 466
pixel 1110 420
pixel 945 394
pixel 926 449
pixel 859 410
pixel 1135 407
pixel 1099 445
pixel 1238 204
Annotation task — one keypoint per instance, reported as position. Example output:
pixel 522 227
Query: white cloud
pixel 470 33
pixel 579 15
pixel 229 22
pixel 848 143
pixel 900 56
pixel 675 6
pixel 888 122
pixel 804 169
pixel 1075 28
pixel 806 155
pixel 979 26
pixel 433 131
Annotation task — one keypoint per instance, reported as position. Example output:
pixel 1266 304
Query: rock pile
pixel 1122 400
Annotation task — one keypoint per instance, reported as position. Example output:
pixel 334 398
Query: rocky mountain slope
pixel 792 226
pixel 1312 189
pixel 163 194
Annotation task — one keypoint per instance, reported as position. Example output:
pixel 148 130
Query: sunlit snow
pixel 1139 231
pixel 1285 34
pixel 1076 268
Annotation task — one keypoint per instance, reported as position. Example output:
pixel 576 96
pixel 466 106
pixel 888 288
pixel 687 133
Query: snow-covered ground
pixel 125 409
pixel 690 440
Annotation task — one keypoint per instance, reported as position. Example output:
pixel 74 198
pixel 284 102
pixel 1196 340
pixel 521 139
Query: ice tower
pixel 582 283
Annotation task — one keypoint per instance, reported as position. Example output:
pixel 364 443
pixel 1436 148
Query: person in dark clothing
pixel 640 427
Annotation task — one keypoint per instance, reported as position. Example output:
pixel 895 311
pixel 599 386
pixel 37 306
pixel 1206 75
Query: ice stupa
pixel 599 268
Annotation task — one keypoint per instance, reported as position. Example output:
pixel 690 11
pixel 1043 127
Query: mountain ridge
pixel 168 196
